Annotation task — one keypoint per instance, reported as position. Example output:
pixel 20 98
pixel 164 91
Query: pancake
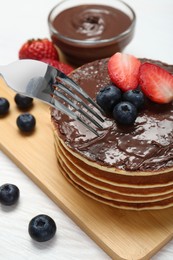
pixel 125 167
pixel 112 187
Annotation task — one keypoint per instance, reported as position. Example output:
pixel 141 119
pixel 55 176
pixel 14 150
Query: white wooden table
pixel 19 21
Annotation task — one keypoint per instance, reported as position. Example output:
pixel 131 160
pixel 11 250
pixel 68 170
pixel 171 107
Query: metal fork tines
pixel 39 80
pixel 67 90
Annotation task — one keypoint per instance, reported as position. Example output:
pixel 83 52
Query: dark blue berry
pixel 108 97
pixel 42 228
pixel 22 101
pixel 9 194
pixel 136 97
pixel 26 122
pixel 125 113
pixel 4 106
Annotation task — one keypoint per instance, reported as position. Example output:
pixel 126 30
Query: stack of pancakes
pixel 125 167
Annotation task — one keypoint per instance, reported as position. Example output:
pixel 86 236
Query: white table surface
pixel 22 20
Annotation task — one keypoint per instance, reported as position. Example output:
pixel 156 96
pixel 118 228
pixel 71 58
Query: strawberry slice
pixel 123 70
pixel 156 83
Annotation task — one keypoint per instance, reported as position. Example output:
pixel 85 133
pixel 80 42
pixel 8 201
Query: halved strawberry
pixel 123 70
pixel 156 83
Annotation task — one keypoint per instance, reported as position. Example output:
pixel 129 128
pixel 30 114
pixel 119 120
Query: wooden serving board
pixel 122 234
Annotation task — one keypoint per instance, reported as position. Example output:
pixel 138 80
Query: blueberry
pixel 9 194
pixel 26 122
pixel 42 228
pixel 125 113
pixel 22 101
pixel 4 106
pixel 108 97
pixel 136 97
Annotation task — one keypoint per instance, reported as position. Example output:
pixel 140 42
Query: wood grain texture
pixel 122 234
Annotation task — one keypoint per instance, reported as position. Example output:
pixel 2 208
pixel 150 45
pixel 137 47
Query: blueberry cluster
pixel 25 122
pixel 42 227
pixel 122 106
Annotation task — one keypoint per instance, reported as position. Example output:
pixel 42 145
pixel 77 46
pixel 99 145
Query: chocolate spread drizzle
pixel 145 146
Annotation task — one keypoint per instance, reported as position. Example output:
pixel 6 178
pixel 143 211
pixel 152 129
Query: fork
pixel 39 80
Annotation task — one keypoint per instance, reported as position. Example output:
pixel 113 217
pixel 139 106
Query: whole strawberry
pixel 65 68
pixel 38 49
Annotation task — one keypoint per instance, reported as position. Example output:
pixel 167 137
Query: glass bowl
pixel 92 30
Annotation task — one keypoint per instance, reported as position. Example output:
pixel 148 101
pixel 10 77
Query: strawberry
pixel 123 70
pixel 156 83
pixel 65 68
pixel 38 49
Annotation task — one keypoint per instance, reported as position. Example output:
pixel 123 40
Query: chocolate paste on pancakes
pixel 146 146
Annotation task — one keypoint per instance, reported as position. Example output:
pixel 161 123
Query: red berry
pixel 38 49
pixel 123 70
pixel 65 68
pixel 156 83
